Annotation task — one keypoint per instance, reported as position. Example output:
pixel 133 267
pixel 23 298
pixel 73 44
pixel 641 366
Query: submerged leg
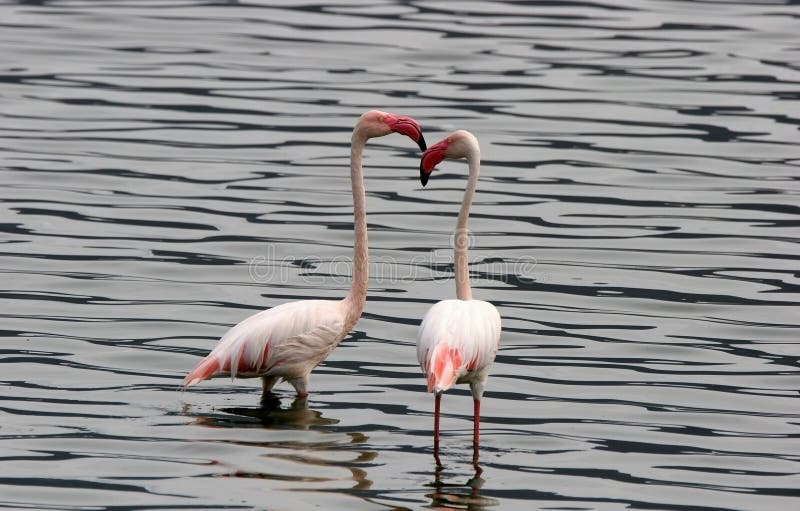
pixel 268 399
pixel 300 385
pixel 436 409
pixel 267 382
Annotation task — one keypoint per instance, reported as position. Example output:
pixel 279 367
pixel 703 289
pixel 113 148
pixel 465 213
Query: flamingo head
pixel 377 124
pixel 459 144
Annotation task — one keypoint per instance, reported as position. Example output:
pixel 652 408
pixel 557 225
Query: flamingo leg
pixel 436 410
pixel 476 432
pixel 267 382
pixel 300 385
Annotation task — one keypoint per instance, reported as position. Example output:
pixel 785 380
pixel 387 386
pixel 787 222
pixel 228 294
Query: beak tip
pixel 421 143
pixel 423 177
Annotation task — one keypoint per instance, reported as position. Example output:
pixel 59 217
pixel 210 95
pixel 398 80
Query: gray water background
pixel 170 167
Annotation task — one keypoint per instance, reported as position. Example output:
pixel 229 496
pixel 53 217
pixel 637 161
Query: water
pixel 170 167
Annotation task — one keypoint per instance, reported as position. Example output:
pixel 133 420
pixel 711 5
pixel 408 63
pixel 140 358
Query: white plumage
pixel 458 340
pixel 284 342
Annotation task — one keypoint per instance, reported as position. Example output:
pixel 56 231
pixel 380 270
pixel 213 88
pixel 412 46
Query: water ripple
pixel 172 166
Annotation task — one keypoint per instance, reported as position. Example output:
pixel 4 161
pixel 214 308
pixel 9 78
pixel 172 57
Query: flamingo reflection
pixel 322 449
pixel 454 496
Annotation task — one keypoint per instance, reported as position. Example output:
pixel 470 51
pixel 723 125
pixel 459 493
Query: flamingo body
pixel 459 338
pixel 457 344
pixel 284 342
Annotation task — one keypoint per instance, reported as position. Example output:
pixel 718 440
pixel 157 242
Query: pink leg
pixel 476 432
pixel 437 408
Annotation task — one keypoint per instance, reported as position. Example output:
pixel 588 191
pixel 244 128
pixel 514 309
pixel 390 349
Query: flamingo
pixel 458 339
pixel 286 342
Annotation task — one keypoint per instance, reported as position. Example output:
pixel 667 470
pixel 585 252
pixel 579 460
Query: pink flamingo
pixel 458 339
pixel 288 341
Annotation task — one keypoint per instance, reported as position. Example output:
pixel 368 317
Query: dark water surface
pixel 170 167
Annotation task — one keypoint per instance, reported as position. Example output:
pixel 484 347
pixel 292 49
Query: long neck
pixel 463 289
pixel 358 288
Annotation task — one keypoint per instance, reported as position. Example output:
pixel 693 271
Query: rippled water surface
pixel 170 167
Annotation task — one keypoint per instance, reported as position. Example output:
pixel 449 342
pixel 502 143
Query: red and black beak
pixel 423 176
pixel 408 127
pixel 430 158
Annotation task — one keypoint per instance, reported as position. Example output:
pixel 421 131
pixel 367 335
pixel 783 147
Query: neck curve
pixel 462 237
pixel 355 299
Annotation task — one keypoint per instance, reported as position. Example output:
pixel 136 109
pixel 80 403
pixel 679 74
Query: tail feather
pixel 443 368
pixel 208 367
pixel 224 363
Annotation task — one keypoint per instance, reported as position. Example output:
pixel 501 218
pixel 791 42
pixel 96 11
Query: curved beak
pixel 430 158
pixel 406 126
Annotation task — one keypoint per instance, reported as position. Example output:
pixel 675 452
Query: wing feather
pixel 288 341
pixel 458 341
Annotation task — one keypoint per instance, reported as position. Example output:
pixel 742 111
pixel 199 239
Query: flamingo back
pixel 287 341
pixel 457 343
